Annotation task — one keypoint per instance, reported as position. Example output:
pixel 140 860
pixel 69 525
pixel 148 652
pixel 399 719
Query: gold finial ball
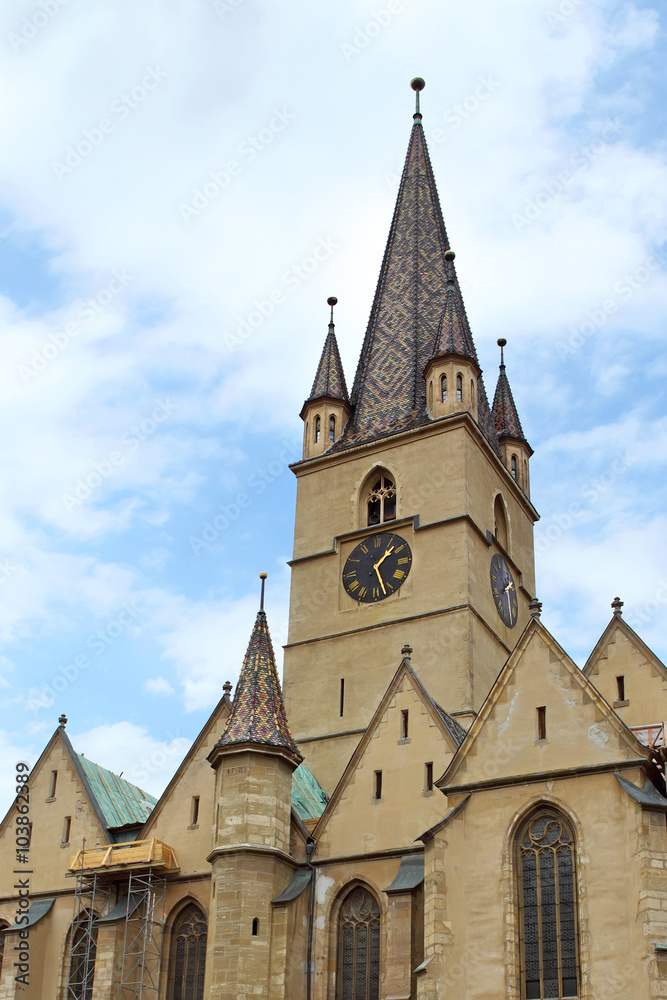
pixel 262 576
pixel 332 300
pixel 417 84
pixel 450 255
pixel 501 342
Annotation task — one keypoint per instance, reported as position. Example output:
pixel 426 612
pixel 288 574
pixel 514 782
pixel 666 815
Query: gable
pixel 172 819
pixel 49 853
pixel 356 821
pixel 581 729
pixel 620 653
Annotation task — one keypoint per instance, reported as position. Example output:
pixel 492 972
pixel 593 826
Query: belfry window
pixel 318 429
pixel 188 955
pixel 359 947
pixel 382 501
pixel 500 522
pixel 332 430
pixel 82 954
pixel 459 388
pixel 443 389
pixel 547 907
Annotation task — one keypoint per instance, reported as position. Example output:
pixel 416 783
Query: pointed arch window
pixel 546 867
pixel 359 947
pixel 3 926
pixel 81 962
pixel 381 503
pixel 188 955
pixel 318 429
pixel 500 522
pixel 332 429
pixel 459 388
pixel 443 389
pixel 514 468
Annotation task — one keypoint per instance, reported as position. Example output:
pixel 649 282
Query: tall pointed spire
pixel 330 377
pixel 505 415
pixel 416 288
pixel 258 713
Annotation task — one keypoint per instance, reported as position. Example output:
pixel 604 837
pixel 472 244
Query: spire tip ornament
pixel 501 344
pixel 332 301
pixel 417 85
pixel 62 721
pixel 617 604
pixel 262 577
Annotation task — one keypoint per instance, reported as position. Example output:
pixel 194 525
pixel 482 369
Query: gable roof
pixel 445 723
pixel 535 629
pixel 619 624
pixel 308 799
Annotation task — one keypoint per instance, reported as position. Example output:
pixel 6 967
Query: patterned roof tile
pixel 330 377
pixel 505 416
pixel 258 713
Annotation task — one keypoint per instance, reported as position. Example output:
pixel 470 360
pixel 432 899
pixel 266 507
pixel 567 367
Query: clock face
pixel 377 567
pixel 504 591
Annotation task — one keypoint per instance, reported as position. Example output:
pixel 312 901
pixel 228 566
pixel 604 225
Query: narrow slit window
pixel 52 784
pixel 342 696
pixel 194 811
pixel 428 776
pixel 620 684
pixel 404 724
pixel 443 389
pixel 459 388
pixel 318 429
pixel 332 430
pixel 514 467
pixel 255 927
pixel 472 392
pixel 542 723
pixel 378 785
pixel 67 826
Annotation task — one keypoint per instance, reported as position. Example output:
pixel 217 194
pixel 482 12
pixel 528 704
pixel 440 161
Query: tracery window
pixel 547 907
pixel 359 947
pixel 382 501
pixel 188 955
pixel 82 954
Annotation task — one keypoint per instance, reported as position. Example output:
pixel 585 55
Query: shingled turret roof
pixel 258 713
pixel 411 310
pixel 330 377
pixel 505 416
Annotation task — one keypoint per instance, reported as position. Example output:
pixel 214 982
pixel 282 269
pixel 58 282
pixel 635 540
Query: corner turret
pixel 515 449
pixel 327 409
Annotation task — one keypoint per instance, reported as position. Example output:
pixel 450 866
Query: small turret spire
pixel 330 377
pixel 505 415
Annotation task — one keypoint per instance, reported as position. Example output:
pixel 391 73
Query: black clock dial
pixel 504 591
pixel 377 567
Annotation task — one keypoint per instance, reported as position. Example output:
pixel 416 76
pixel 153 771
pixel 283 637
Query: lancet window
pixel 188 955
pixel 359 947
pixel 547 907
pixel 332 429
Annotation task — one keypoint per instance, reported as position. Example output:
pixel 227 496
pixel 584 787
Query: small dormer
pixel 515 450
pixel 327 409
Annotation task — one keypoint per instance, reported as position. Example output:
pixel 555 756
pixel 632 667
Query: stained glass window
pixel 547 904
pixel 359 947
pixel 82 954
pixel 188 955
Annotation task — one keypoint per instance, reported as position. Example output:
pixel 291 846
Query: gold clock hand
pixel 377 570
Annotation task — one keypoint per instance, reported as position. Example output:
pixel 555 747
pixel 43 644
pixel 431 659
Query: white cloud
pixel 158 685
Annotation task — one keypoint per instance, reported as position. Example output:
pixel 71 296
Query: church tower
pixel 410 524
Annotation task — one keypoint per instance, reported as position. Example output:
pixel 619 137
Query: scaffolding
pixel 141 869
pixel 142 943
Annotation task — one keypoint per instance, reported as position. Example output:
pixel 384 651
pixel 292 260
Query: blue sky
pixel 167 173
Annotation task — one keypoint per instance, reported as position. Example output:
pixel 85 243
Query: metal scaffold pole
pixel 144 921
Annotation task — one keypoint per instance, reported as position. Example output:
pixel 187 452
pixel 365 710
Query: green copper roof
pixel 121 802
pixel 308 799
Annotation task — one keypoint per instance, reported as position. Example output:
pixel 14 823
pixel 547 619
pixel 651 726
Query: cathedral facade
pixel 438 803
